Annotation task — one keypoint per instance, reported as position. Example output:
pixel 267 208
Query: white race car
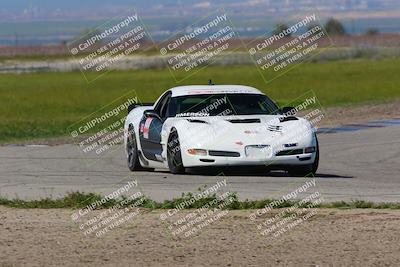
pixel 218 125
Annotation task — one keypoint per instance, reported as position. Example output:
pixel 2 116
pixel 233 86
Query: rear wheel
pixel 307 169
pixel 174 156
pixel 132 151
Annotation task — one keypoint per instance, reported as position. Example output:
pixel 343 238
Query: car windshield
pixel 221 105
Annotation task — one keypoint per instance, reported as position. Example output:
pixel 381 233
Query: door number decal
pixel 146 128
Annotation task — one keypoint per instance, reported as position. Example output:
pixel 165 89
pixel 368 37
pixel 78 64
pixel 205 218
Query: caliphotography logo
pixel 102 215
pixel 198 210
pixel 288 45
pixel 109 45
pixel 289 211
pixel 103 131
pixel 199 45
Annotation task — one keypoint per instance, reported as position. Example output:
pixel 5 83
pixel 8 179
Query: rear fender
pixel 133 118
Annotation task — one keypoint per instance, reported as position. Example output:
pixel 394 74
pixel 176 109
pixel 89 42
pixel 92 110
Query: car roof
pixel 213 89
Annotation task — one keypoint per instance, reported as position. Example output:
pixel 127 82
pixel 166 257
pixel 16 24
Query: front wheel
pixel 174 156
pixel 316 161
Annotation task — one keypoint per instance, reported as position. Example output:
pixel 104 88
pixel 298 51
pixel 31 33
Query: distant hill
pixel 36 22
pixel 72 9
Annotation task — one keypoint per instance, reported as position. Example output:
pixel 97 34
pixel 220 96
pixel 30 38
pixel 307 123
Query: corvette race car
pixel 218 125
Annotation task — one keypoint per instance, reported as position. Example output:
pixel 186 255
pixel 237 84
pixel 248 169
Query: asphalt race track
pixel 362 165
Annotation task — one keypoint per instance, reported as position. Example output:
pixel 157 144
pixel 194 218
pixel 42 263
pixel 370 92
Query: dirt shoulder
pixel 363 113
pixel 332 237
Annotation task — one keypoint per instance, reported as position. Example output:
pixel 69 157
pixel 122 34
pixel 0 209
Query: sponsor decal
pixel 251 132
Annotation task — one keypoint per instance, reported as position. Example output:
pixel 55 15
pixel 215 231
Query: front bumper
pixel 207 160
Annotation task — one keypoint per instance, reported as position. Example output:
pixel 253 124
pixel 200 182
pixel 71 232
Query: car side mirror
pixel 151 114
pixel 288 111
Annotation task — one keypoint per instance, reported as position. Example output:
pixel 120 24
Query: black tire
pixel 174 156
pixel 132 151
pixel 307 169
pixel 316 161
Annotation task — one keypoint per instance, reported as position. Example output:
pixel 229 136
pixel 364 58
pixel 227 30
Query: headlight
pixel 200 152
pixel 310 149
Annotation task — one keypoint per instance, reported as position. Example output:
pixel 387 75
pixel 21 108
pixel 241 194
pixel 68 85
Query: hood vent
pixel 245 121
pixel 274 128
pixel 196 121
pixel 289 118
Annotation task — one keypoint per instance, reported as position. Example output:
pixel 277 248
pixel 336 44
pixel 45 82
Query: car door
pixel 150 130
